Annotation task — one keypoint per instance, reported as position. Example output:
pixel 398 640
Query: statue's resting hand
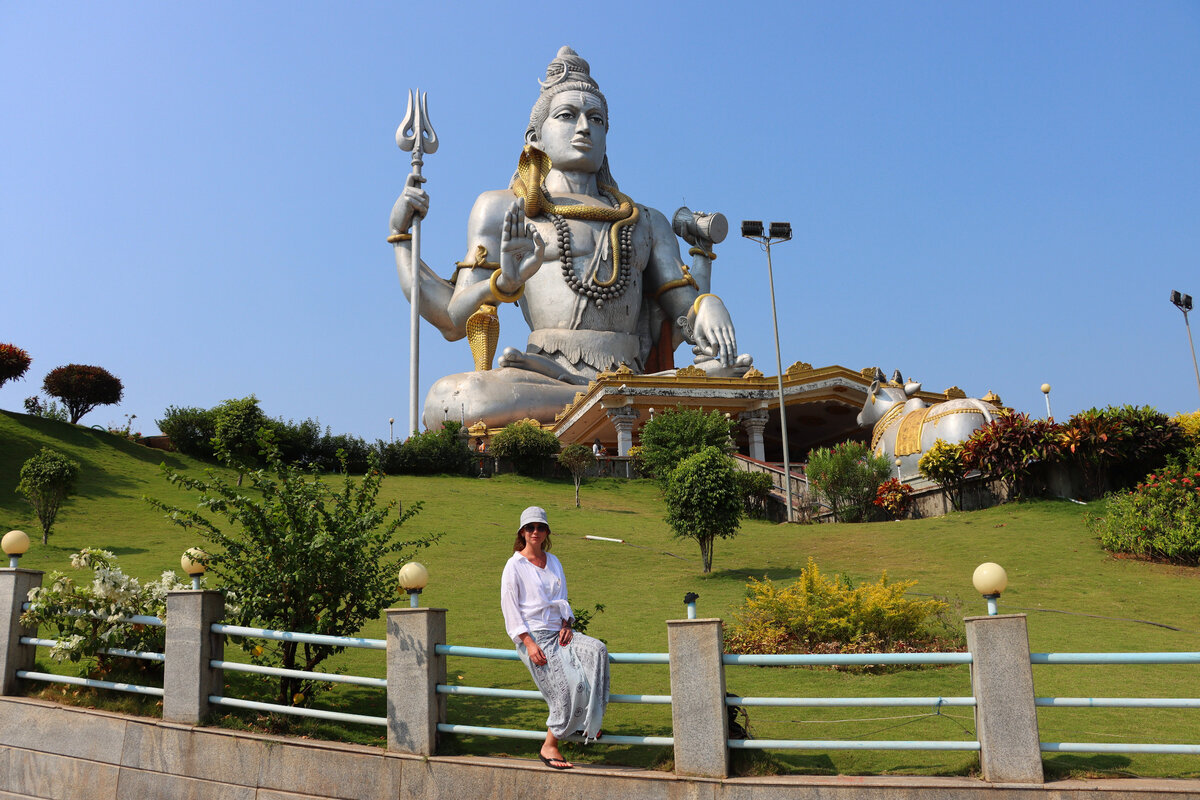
pixel 714 332
pixel 521 248
pixel 412 203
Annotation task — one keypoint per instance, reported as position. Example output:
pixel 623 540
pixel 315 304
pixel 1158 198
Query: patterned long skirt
pixel 574 681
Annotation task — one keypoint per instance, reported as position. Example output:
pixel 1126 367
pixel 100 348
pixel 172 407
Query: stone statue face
pixel 574 133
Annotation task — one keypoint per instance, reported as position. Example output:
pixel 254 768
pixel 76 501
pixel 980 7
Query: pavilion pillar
pixel 622 419
pixel 754 422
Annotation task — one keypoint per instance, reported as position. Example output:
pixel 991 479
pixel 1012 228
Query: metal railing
pixel 855 659
pixel 501 654
pixel 1116 702
pixel 303 638
pixel 93 683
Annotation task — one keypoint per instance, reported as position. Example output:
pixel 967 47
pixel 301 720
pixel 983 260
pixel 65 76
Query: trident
pixel 416 134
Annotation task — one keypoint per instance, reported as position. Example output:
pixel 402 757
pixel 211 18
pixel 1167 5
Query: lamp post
pixel 990 580
pixel 689 600
pixel 15 544
pixel 779 231
pixel 391 429
pixel 1046 391
pixel 193 563
pixel 413 578
pixel 1184 303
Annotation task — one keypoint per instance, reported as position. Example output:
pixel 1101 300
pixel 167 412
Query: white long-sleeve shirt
pixel 533 598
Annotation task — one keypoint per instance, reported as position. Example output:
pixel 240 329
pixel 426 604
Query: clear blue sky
pixel 993 195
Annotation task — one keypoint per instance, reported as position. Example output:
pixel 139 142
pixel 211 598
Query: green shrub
pixel 755 489
pixel 46 480
pixel 47 410
pixel 847 475
pixel 236 424
pixel 678 433
pixel 1016 449
pixel 704 501
pixel 1158 520
pixel 816 614
pixel 431 452
pixel 943 464
pixel 528 446
pixel 190 430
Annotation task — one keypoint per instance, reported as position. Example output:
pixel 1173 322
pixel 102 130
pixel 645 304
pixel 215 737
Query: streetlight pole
pixel 781 231
pixel 1046 391
pixel 1184 303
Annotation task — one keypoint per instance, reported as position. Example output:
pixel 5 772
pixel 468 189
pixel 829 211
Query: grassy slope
pixel 1052 560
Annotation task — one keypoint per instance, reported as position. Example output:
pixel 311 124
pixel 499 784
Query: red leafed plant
pixel 893 497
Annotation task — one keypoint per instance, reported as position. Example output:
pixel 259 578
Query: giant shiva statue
pixel 597 276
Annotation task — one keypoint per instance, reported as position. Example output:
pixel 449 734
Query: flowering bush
pixel 847 476
pixel 816 614
pixel 1159 519
pixel 893 497
pixel 85 617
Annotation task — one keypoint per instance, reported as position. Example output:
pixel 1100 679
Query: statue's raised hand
pixel 412 203
pixel 521 249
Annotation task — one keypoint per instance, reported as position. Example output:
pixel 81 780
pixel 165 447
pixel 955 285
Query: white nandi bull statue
pixel 905 426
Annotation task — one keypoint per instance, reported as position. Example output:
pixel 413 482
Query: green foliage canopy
pixel 704 501
pixel 528 445
pixel 46 480
pixel 847 475
pixel 236 424
pixel 297 555
pixel 943 464
pixel 676 434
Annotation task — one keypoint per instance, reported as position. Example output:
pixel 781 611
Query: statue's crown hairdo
pixel 567 65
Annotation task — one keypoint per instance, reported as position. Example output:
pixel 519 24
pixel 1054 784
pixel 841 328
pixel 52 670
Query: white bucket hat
pixel 533 514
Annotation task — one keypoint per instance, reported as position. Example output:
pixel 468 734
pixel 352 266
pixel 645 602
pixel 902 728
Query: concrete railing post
pixel 14 591
pixel 414 669
pixel 698 714
pixel 1005 715
pixel 188 680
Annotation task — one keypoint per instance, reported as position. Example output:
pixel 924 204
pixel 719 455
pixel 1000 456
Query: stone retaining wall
pixel 52 752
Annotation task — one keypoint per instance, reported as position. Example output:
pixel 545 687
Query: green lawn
pixel 1077 597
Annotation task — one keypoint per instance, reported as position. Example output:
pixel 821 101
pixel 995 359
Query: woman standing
pixel 570 669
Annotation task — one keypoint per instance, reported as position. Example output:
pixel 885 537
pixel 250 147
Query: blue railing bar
pixel 133 619
pixel 132 688
pixel 1115 658
pixel 846 659
pixel 513 733
pixel 839 702
pixel 293 636
pixel 511 655
pixel 1111 747
pixel 1118 702
pixel 112 651
pixel 476 652
pixel 846 744
pixel 295 711
pixel 528 694
pixel 326 677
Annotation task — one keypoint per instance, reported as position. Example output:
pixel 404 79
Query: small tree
pixel 681 432
pixel 298 555
pixel 46 479
pixel 704 501
pixel 190 430
pixel 943 464
pixel 236 424
pixel 847 476
pixel 527 444
pixel 578 458
pixel 82 388
pixel 14 362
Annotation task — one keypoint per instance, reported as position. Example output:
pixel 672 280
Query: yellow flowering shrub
pixel 819 614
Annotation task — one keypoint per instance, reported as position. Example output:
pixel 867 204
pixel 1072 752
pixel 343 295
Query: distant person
pixel 597 448
pixel 569 668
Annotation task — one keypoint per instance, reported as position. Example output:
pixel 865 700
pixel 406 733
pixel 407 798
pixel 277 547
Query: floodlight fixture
pixel 1184 303
pixel 752 228
pixel 781 231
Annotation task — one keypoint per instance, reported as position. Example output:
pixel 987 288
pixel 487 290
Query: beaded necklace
pixel 600 291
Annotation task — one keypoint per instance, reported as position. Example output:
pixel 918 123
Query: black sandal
pixel 549 762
